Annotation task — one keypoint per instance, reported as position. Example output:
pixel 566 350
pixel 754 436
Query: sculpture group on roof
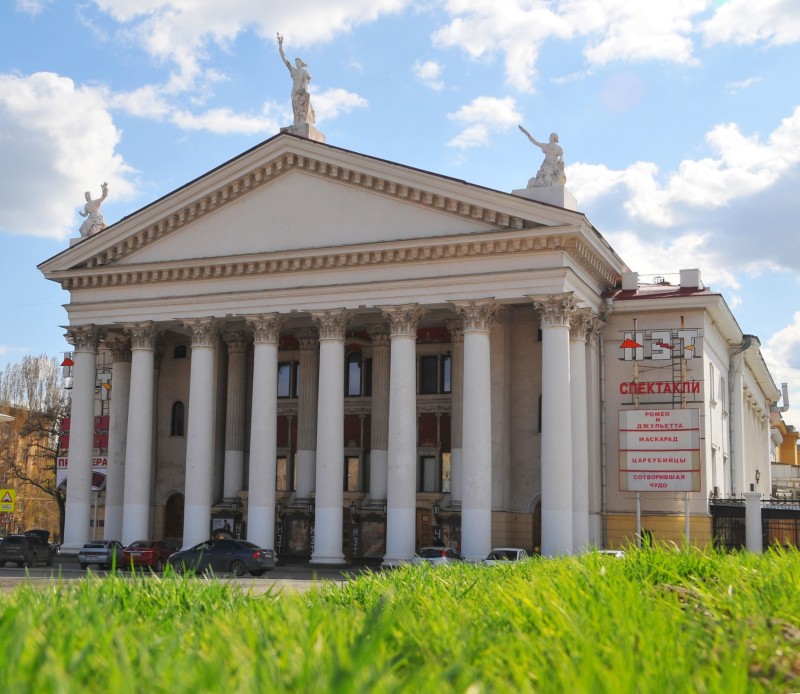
pixel 551 172
pixel 91 210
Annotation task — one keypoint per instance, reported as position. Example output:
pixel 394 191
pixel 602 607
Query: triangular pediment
pixel 290 193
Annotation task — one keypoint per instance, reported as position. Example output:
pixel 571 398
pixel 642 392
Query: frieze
pixel 431 251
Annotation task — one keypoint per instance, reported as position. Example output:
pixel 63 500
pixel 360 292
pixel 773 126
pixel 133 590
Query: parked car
pixel 224 556
pixel 149 553
pixel 618 553
pixel 436 556
pixel 501 554
pixel 104 553
pixel 26 550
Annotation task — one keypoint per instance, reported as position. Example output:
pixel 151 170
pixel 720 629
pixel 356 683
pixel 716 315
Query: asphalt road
pixel 295 577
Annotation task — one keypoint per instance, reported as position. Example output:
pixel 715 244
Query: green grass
pixel 656 621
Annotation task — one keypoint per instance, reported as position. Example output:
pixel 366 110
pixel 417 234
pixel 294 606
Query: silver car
pixel 503 554
pixel 436 556
pixel 104 553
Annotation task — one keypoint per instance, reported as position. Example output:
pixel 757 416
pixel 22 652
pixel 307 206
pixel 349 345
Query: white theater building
pixel 346 357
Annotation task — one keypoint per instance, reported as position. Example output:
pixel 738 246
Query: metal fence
pixel 780 522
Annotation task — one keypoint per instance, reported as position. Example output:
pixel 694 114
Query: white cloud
pixel 482 116
pixel 655 256
pixel 743 167
pixel 745 22
pixel 330 103
pixel 741 85
pixel 32 7
pixel 614 30
pixel 782 356
pixel 429 74
pixel 181 32
pixel 225 122
pixel 57 140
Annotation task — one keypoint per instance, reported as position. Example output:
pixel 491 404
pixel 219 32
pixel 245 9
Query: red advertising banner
pixel 101 425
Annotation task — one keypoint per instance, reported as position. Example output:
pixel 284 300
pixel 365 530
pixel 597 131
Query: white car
pixel 503 554
pixel 436 556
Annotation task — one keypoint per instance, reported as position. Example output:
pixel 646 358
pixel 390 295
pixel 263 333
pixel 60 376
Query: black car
pixel 224 556
pixel 26 550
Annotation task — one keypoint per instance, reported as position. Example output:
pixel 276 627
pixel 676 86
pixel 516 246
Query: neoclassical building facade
pixel 342 357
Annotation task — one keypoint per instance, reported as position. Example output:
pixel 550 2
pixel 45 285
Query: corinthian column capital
pixel 120 348
pixel 555 309
pixel 142 335
pixel 579 324
pixel 403 319
pixel 204 331
pixel 266 326
pixel 84 338
pixel 477 315
pixel 379 334
pixel 332 323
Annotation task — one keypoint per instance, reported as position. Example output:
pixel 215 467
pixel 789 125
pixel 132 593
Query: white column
pixel 263 430
pixel 737 421
pixel 306 458
pixel 556 438
pixel 233 477
pixel 330 438
pixel 401 504
pixel 752 522
pixel 117 436
pixel 200 433
pixel 81 438
pixel 597 475
pixel 579 324
pixel 139 448
pixel 379 417
pixel 456 329
pixel 476 504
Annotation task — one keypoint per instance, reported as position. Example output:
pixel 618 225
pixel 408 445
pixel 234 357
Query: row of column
pixel 565 494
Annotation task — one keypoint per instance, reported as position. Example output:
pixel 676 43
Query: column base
pixel 328 561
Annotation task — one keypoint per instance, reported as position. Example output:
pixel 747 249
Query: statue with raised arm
pixel 301 99
pixel 91 210
pixel 551 172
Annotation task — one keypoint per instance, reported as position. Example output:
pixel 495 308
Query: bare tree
pixel 32 391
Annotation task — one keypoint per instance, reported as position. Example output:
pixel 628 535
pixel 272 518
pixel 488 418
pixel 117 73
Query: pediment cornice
pixel 482 245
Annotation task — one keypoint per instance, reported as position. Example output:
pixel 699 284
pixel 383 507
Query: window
pixel 358 375
pixel 446 474
pixel 179 352
pixel 353 474
pixel 427 474
pixel 723 393
pixel 434 374
pixel 712 385
pixel 288 379
pixel 176 425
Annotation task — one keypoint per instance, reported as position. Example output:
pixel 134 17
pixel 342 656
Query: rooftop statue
pixel 91 210
pixel 301 99
pixel 551 172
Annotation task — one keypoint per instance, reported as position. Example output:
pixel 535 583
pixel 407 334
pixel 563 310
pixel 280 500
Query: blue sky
pixel 679 119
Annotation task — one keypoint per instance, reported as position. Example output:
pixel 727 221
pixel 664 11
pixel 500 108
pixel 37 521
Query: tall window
pixel 434 374
pixel 288 379
pixel 358 375
pixel 179 352
pixel 427 477
pixel 176 425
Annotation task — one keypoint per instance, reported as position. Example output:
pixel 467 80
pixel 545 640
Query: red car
pixel 150 553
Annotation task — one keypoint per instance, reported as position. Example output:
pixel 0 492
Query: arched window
pixel 179 352
pixel 176 426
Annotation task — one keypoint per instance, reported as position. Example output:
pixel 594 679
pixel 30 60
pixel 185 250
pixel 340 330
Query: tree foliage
pixel 32 391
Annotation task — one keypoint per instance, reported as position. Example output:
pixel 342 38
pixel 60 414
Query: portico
pixel 341 330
